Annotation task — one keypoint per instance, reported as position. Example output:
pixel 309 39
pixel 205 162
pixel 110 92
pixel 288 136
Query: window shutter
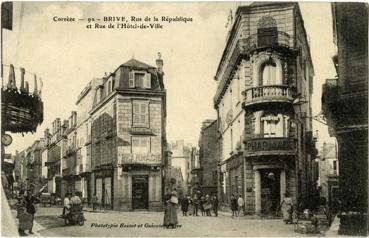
pixel 147 80
pixel 136 115
pixel 131 79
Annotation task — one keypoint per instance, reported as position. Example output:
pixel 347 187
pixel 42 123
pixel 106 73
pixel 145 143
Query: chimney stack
pixel 159 63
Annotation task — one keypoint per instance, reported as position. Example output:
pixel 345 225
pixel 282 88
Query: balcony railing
pixel 270 146
pixel 267 94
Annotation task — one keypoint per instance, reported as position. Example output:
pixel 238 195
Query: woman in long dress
pixel 170 215
pixel 286 207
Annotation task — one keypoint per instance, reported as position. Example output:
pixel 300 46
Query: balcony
pixel 268 94
pixel 242 48
pixel 270 146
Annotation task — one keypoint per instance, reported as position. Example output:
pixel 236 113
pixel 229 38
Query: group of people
pixel 237 205
pixel 204 203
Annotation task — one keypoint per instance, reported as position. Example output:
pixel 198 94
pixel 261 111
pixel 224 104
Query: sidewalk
pixel 333 229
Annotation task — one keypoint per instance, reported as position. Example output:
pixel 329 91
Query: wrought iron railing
pixel 267 93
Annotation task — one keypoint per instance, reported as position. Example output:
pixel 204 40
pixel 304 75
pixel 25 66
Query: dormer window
pixel 139 79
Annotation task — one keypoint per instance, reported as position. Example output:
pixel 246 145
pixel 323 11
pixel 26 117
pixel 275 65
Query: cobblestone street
pixel 48 224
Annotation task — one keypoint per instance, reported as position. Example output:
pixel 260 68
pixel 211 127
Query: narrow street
pixel 50 225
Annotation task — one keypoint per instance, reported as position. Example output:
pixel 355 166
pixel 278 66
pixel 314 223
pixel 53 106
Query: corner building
pixel 128 119
pixel 263 102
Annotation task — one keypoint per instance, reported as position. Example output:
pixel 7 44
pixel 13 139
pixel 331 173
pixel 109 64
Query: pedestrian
pixel 170 215
pixel 184 205
pixel 207 205
pixel 286 207
pixel 234 205
pixel 30 200
pixel 202 203
pixel 241 205
pixel 66 204
pixel 196 203
pixel 95 201
pixel 215 202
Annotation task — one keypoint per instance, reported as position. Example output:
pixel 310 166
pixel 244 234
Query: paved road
pixel 98 224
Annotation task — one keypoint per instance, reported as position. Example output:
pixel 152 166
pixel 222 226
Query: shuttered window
pixel 131 79
pixel 140 113
pixel 139 79
pixel 147 83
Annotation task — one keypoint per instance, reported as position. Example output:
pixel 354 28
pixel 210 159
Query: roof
pixel 133 63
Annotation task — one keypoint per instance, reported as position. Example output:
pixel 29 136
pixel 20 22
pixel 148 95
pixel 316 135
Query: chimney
pixel 159 63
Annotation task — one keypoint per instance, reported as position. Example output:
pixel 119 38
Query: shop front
pixel 103 184
pixel 138 187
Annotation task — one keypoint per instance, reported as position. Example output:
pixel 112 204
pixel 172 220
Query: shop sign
pixel 129 158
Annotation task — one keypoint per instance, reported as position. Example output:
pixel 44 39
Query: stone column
pixel 283 183
pixel 257 192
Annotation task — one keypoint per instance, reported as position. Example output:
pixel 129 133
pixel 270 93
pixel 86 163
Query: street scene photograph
pixel 184 119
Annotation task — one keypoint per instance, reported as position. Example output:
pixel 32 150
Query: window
pixel 335 167
pixel 140 145
pixel 268 73
pixel 140 113
pixel 269 123
pixel 139 79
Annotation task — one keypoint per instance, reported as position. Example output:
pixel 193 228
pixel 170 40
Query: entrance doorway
pixel 140 193
pixel 270 190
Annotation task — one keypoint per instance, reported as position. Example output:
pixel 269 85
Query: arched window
pixel 268 73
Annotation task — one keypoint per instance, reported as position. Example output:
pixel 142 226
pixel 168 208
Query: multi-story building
pixel 83 139
pixel 69 161
pixel 181 158
pixel 345 105
pixel 328 166
pixel 263 102
pixel 57 147
pixel 44 155
pixel 195 171
pixel 34 164
pixel 208 157
pixel 128 119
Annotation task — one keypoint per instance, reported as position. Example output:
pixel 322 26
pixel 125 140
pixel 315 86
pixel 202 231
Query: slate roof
pixel 133 63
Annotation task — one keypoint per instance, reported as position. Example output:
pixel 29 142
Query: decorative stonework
pixel 267 22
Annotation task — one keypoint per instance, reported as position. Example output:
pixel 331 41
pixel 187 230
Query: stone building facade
pixel 128 119
pixel 56 143
pixel 345 105
pixel 263 102
pixel 208 157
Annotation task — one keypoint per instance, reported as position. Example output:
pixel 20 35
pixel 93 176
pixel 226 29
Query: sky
pixel 67 55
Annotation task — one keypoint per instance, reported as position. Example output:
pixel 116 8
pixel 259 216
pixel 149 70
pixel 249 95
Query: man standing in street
pixel 234 205
pixel 215 205
pixel 241 205
pixel 196 203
